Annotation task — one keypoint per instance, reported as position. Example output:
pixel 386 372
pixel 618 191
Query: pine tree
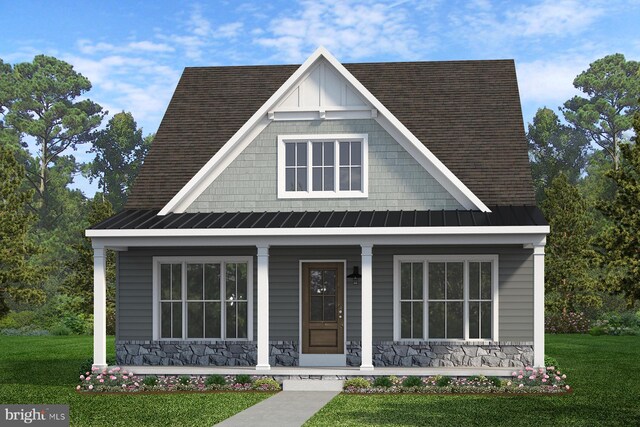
pixel 570 284
pixel 20 280
pixel 621 242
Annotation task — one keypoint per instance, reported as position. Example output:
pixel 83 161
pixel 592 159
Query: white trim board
pixel 260 119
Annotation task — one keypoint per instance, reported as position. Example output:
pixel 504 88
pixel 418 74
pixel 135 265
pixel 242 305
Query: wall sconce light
pixel 355 276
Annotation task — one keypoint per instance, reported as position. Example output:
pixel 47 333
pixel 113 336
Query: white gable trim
pixel 260 119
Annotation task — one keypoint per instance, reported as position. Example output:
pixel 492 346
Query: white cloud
pixel 553 17
pixel 549 81
pixel 88 48
pixel 351 29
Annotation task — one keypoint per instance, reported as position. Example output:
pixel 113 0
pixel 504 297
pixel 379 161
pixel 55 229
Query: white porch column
pixel 99 308
pixel 367 308
pixel 263 308
pixel 538 305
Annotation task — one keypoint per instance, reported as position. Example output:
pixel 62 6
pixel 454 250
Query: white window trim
pixel 156 312
pixel 494 259
pixel 310 194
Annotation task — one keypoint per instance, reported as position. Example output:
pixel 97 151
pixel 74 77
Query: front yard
pixel 603 372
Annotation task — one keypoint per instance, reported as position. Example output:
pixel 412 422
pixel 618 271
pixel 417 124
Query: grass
pixel 45 370
pixel 602 370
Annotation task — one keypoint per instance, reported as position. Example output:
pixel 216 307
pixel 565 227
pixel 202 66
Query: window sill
pixel 302 195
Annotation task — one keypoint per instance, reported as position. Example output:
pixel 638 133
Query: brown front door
pixel 322 308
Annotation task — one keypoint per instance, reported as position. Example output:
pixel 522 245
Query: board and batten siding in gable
pixel 396 180
pixel 134 291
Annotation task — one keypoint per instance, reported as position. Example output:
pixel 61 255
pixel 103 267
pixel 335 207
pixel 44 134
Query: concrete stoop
pixel 312 385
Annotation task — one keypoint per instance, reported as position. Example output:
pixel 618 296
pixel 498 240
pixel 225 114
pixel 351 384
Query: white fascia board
pixel 238 142
pixel 325 231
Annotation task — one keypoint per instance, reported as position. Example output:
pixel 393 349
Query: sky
pixel 133 52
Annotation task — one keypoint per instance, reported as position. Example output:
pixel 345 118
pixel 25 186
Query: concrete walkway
pixel 285 409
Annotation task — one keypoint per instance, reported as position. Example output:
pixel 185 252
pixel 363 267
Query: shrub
pixel 215 380
pixel 266 384
pixel 18 320
pixel 357 383
pixel 243 379
pixel 23 332
pixel 551 361
pixel 150 380
pixel 495 381
pixel 412 382
pixel 60 330
pixel 442 381
pixel 88 364
pixel 625 323
pixel 184 380
pixel 567 323
pixel 597 331
pixel 382 382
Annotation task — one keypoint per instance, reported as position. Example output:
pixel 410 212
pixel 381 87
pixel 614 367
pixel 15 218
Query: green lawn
pixel 45 370
pixel 604 371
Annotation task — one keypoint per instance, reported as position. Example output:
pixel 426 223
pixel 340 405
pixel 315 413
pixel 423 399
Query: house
pixel 340 215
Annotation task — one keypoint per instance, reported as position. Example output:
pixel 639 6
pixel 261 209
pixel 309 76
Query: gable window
pixel 446 298
pixel 322 166
pixel 203 298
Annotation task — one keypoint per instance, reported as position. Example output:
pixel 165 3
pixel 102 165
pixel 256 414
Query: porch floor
pixel 322 372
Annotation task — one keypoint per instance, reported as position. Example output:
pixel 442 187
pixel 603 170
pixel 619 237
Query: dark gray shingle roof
pixel 466 112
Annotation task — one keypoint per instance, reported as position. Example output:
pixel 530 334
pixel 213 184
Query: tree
pixel 569 283
pixel 613 86
pixel 19 278
pixel 79 279
pixel 621 243
pixel 554 148
pixel 120 150
pixel 44 106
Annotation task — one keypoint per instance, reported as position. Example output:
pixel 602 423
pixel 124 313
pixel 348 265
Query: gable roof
pixel 467 113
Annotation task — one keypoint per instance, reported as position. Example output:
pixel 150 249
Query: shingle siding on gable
pixel 396 180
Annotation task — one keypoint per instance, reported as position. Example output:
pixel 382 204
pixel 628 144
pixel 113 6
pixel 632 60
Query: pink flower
pixel 87 379
pixel 101 380
pixel 112 377
pixel 557 378
pixel 81 377
pixel 90 386
pixel 513 373
pixel 116 369
pixel 94 368
pixel 567 387
pixel 544 380
pixel 532 377
pixel 124 377
pixel 519 377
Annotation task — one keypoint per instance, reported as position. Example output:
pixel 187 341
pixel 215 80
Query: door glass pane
pixel 194 281
pixel 301 155
pixel 344 153
pixel 474 280
pixel 317 153
pixel 405 320
pixel 474 320
pixel 405 280
pixel 328 179
pixel 177 320
pixel 212 320
pixel 356 181
pixel 417 320
pixel 485 280
pixel 212 281
pixel 195 318
pixel 454 280
pixel 242 320
pixel 176 281
pixel 231 282
pixel 329 282
pixel 231 319
pixel 436 320
pixel 290 179
pixel 328 153
pixel 329 308
pixel 241 270
pixel 454 320
pixel 165 320
pixel 316 282
pixel 356 153
pixel 485 319
pixel 417 280
pixel 315 309
pixel 301 179
pixel 290 154
pixel 317 179
pixel 165 281
pixel 436 280
pixel 344 178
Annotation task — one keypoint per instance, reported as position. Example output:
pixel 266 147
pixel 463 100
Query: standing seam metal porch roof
pixel 467 113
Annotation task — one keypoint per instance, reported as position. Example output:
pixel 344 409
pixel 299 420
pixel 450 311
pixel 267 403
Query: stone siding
pixel 445 354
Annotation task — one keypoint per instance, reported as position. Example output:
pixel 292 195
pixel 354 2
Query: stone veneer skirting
pixel 444 354
pixel 285 353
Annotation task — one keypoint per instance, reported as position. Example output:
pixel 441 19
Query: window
pixel 446 298
pixel 322 166
pixel 203 298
